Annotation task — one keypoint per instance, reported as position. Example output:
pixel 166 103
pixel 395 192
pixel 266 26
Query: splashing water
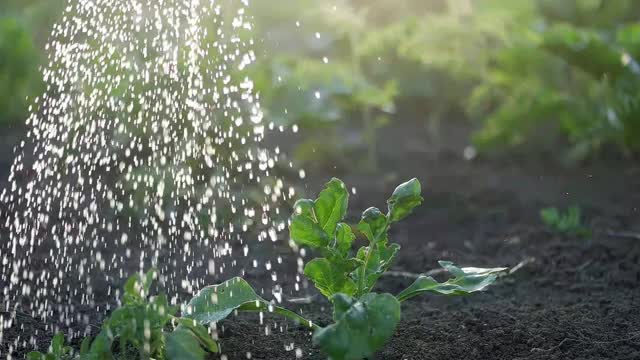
pixel 145 150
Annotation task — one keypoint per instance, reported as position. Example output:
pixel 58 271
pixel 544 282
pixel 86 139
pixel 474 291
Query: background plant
pixel 568 222
pixel 342 71
pixel 18 70
pixel 571 69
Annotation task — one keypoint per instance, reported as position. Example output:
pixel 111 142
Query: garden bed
pixel 567 297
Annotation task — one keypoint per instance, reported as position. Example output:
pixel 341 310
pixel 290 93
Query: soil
pixel 566 297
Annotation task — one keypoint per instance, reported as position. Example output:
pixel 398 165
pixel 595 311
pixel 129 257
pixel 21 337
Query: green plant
pixel 571 67
pixel 18 69
pixel 145 327
pixel 57 350
pixel 569 222
pixel 363 320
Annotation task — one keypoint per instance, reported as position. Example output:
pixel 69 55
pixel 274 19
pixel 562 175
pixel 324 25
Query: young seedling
pixel 142 328
pixel 363 320
pixel 57 350
pixel 569 223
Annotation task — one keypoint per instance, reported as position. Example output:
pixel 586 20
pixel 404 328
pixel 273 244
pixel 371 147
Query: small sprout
pixel 568 223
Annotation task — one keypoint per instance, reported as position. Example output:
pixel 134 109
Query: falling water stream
pixel 145 150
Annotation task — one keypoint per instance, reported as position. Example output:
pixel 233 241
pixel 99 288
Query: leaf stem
pixel 261 306
pixel 364 270
pixel 373 244
pixel 294 316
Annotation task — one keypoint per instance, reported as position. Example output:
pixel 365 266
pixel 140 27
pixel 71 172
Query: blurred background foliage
pixel 559 74
pixel 24 25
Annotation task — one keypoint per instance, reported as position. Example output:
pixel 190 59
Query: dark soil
pixel 567 297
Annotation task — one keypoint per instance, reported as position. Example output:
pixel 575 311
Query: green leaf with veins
pixel 306 232
pixel 373 224
pixel 344 238
pixel 361 326
pixel 331 205
pixel 183 344
pixel 331 277
pixel 465 281
pixel 404 199
pixel 214 303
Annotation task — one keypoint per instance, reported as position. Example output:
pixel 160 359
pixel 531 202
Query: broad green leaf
pixel 465 281
pixel 404 199
pixel 341 304
pixel 304 231
pixel 200 332
pixel 331 205
pixel 182 344
pixel 214 303
pixel 344 238
pixel 361 328
pixel 330 277
pixel 373 224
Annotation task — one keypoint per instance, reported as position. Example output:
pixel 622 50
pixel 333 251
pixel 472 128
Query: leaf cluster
pixel 365 320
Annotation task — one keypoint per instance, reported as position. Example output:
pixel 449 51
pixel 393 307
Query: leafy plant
pixel 569 222
pixel 57 350
pixel 18 69
pixel 363 320
pixel 146 327
pixel 570 67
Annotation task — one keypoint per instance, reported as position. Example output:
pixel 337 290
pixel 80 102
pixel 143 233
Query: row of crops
pixel 518 70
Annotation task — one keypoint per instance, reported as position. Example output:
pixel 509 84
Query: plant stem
pixel 262 306
pixel 294 316
pixel 364 270
pixel 372 244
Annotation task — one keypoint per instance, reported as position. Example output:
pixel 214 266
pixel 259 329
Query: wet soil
pixel 566 297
